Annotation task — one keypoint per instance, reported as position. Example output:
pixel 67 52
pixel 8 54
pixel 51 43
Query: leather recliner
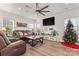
pixel 11 49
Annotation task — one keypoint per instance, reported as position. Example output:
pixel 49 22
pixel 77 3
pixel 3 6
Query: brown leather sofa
pixel 11 49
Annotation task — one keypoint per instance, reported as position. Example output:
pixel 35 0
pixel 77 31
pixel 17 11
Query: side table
pixel 13 39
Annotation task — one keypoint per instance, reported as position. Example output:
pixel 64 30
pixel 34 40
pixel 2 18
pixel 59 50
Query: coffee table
pixel 33 41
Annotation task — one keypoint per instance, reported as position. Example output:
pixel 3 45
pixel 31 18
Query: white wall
pixel 6 15
pixel 59 20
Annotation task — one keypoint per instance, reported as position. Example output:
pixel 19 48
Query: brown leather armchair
pixel 12 49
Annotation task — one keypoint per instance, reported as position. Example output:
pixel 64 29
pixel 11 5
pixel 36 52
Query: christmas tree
pixel 70 35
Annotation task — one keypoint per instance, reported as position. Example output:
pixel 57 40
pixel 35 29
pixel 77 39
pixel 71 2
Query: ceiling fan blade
pixel 45 11
pixel 41 13
pixel 27 6
pixel 44 7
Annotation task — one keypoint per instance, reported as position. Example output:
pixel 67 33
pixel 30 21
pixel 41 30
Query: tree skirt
pixel 75 46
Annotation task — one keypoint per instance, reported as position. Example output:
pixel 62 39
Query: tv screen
pixel 49 21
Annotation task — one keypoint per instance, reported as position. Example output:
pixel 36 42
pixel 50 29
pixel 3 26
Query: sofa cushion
pixel 5 38
pixel 2 43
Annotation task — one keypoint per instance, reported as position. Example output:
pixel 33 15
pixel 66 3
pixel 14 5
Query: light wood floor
pixel 50 48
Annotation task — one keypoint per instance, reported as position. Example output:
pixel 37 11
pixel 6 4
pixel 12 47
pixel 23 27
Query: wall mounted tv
pixel 49 21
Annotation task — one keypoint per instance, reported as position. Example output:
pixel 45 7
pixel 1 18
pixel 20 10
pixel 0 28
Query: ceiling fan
pixel 41 11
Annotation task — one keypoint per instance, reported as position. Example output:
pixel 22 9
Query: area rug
pixel 75 46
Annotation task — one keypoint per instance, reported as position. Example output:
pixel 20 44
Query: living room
pixel 24 27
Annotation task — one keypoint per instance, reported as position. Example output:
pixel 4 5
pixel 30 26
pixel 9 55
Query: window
pixel 75 22
pixel 8 24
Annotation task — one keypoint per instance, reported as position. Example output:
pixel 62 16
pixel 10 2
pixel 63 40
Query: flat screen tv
pixel 49 21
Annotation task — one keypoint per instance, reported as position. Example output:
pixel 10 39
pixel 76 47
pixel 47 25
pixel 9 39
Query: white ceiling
pixel 20 9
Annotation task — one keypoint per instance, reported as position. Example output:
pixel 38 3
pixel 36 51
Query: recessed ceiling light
pixel 19 8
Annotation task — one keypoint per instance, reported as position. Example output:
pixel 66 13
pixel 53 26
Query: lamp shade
pixel 3 29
